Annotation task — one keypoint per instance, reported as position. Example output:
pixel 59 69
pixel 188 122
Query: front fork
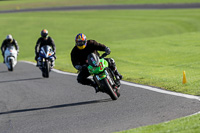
pixel 42 60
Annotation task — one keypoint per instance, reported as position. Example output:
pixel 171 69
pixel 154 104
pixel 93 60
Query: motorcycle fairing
pixel 99 69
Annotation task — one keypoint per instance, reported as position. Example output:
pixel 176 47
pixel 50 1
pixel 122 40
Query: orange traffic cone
pixel 184 78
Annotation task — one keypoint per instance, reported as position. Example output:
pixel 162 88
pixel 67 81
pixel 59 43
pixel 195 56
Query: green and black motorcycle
pixel 103 75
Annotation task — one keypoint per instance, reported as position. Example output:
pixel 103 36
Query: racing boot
pixel 52 62
pixel 38 64
pixel 95 87
pixel 118 75
pixel 3 59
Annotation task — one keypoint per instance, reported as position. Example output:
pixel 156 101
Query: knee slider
pixel 52 59
pixel 112 63
pixel 80 80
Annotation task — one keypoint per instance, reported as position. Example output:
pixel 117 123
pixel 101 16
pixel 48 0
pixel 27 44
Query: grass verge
pixel 182 125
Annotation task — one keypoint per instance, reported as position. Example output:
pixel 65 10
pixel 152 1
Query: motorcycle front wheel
pixel 109 89
pixel 45 72
pixel 11 65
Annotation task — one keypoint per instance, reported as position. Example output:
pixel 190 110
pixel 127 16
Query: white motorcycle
pixel 10 57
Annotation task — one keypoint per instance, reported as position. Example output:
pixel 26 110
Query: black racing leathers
pixel 42 42
pixel 6 44
pixel 79 57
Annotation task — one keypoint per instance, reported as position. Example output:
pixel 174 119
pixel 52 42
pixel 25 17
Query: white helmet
pixel 9 38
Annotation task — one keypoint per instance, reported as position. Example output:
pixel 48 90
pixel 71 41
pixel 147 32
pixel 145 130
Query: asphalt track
pixel 109 7
pixel 32 104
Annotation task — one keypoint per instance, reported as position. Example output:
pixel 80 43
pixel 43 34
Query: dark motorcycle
pixel 46 56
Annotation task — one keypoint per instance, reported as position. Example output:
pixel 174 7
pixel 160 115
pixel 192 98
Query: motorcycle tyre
pixel 109 89
pixel 117 81
pixel 11 65
pixel 45 72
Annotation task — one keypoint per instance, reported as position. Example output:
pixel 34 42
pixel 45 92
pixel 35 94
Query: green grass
pixel 21 4
pixel 160 61
pixel 150 47
pixel 182 125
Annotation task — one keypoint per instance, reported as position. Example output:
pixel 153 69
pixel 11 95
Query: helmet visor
pixel 44 35
pixel 80 43
pixel 9 40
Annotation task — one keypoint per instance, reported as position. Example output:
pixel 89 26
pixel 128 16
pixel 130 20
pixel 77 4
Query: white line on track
pixel 135 85
pixel 138 86
pixel 161 91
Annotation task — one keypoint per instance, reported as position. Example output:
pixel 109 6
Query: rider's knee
pixel 112 64
pixel 112 61
pixel 79 80
pixel 52 59
pixel 39 59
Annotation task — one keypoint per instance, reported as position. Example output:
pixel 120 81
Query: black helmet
pixel 44 33
pixel 93 60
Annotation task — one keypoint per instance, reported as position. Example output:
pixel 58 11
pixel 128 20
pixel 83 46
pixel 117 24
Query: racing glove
pixel 84 66
pixel 107 50
pixel 78 67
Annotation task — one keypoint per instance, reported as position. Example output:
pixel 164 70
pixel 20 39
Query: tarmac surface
pixel 32 104
pixel 109 7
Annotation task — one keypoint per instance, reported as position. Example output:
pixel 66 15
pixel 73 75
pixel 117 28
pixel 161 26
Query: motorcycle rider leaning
pixel 9 41
pixel 45 39
pixel 79 55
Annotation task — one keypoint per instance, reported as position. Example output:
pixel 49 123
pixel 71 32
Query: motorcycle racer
pixel 79 55
pixel 45 39
pixel 9 41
